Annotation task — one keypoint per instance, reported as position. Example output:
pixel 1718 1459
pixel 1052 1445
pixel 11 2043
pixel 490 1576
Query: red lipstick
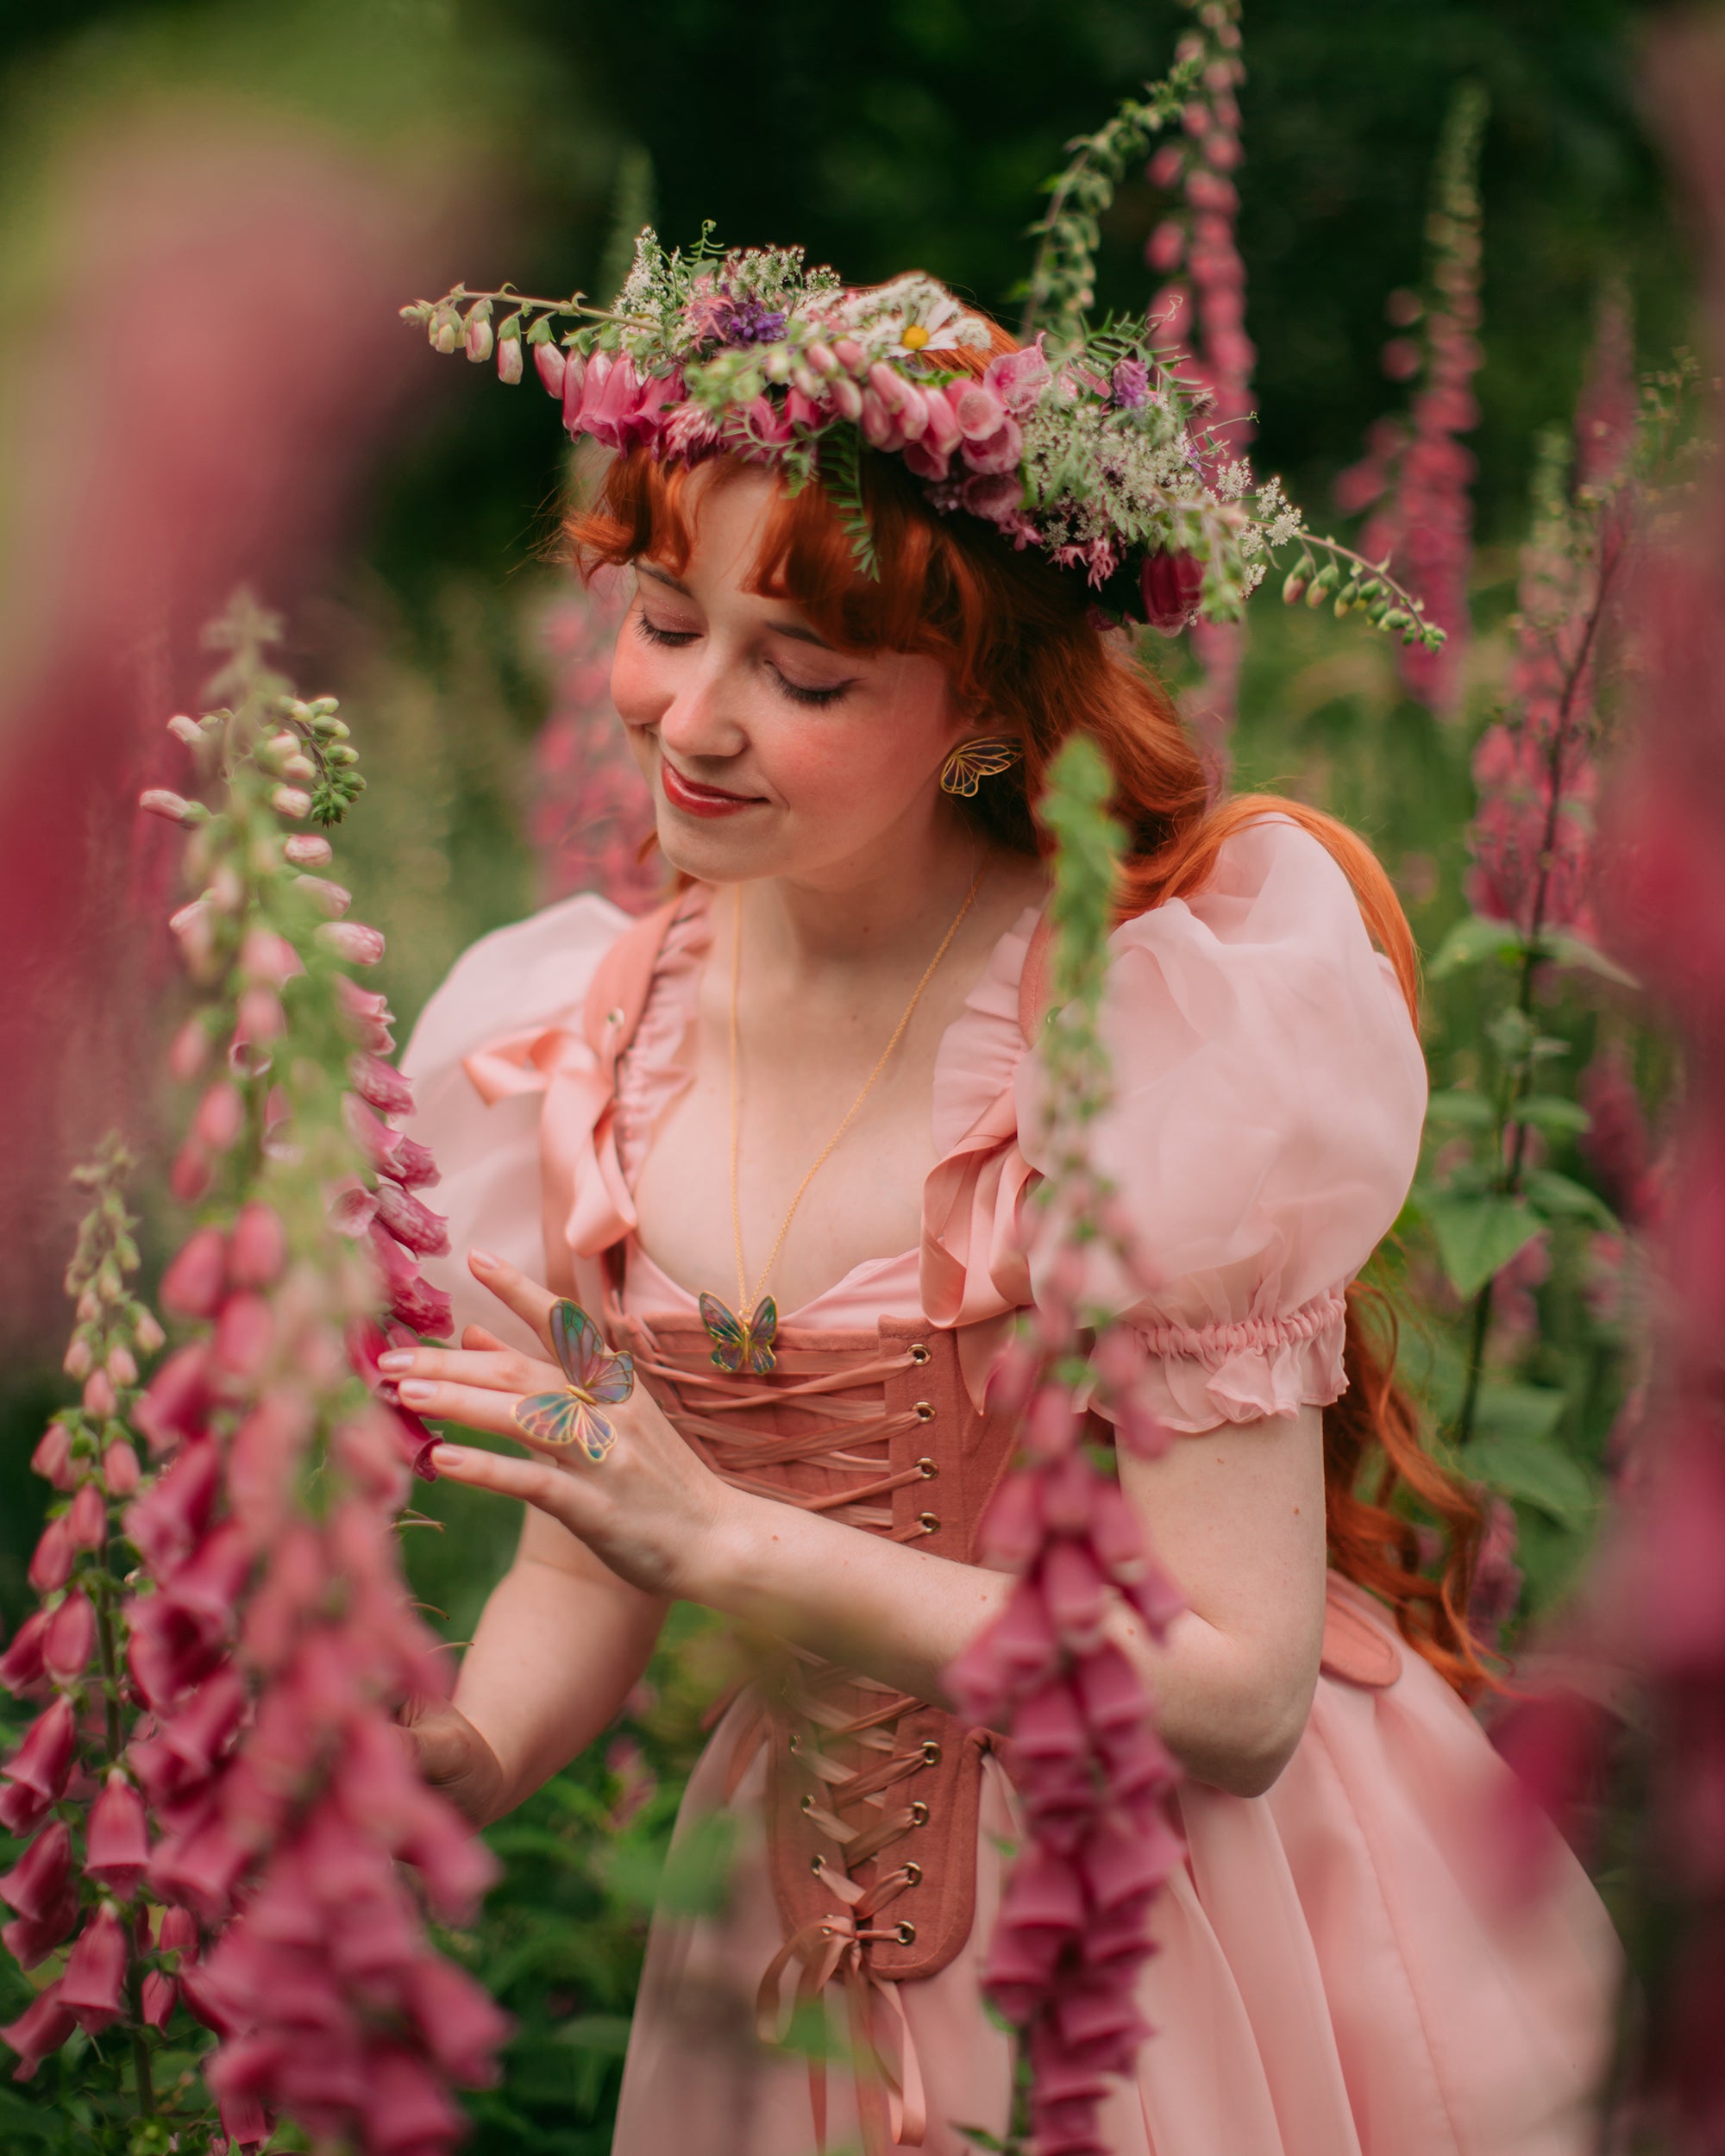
pixel 700 801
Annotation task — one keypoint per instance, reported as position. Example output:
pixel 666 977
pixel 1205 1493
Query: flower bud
pixel 353 941
pixel 269 958
pixel 291 801
pixel 851 357
pixel 195 926
pixel 822 358
pixel 258 1017
pixel 549 363
pixel 86 1522
pixel 70 1640
pixel 185 729
pixel 77 1360
pixel 258 1252
pixel 98 1394
pixel 299 768
pixel 846 397
pixel 331 899
pixel 480 337
pixel 509 359
pixel 189 1053
pixel 120 1365
pixel 53 1458
pixel 220 1117
pixel 305 849
pixel 192 1173
pixel 51 1564
pixel 444 329
pixel 160 801
pixel 148 1332
pixel 193 1284
pixel 1294 589
pixel 121 1473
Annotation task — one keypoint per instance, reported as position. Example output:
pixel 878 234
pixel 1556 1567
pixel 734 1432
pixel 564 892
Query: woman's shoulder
pixel 531 972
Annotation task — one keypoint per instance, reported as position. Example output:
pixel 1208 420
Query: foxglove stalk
pixel 592 812
pixel 1202 300
pixel 1419 472
pixel 1092 1774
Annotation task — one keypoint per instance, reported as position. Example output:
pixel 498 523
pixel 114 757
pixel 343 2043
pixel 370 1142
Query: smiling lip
pixel 700 801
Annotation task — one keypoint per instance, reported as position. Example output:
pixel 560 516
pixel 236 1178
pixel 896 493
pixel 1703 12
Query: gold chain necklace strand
pixel 744 1338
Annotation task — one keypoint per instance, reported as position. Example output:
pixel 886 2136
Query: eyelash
pixel 675 639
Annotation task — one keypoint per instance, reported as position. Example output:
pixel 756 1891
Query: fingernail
pixel 447 1456
pixel 485 1261
pixel 396 1359
pixel 415 1389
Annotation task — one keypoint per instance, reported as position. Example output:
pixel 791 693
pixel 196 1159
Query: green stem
pixel 1520 1076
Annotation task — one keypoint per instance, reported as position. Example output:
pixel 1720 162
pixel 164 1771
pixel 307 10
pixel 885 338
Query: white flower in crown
pixel 910 317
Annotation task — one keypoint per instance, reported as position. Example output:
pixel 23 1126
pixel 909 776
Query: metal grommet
pixel 928 1469
pixel 929 1522
pixel 931 1753
pixel 919 1813
pixel 905 1934
pixel 913 1875
pixel 924 1412
pixel 808 1804
pixel 918 1352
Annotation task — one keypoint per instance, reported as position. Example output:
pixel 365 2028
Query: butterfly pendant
pixel 597 1378
pixel 744 1343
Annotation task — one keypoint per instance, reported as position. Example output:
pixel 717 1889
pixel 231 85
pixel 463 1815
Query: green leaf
pixel 1471 1110
pixel 1564 950
pixel 1517 1413
pixel 1478 1236
pixel 1532 1468
pixel 1471 942
pixel 1552 1113
pixel 605 2033
pixel 1561 1198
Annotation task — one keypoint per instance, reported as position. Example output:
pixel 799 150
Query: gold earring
pixel 972 762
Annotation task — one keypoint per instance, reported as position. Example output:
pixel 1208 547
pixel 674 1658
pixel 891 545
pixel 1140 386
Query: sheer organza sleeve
pixel 512 990
pixel 1269 1091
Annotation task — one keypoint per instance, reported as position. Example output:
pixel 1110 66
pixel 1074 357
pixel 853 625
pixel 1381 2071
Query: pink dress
pixel 1341 1973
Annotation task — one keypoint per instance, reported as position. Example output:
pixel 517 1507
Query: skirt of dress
pixel 1343 1969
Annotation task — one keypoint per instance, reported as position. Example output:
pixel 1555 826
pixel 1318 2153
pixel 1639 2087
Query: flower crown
pixel 1088 443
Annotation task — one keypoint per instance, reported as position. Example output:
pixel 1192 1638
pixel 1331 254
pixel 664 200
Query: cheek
pixel 638 686
pixel 865 764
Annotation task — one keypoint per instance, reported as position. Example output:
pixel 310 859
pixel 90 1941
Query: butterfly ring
pixel 596 1379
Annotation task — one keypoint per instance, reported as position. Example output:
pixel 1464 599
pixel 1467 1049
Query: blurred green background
pixel 910 132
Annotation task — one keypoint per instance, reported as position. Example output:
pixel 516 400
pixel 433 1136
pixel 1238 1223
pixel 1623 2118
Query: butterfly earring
pixel 597 1378
pixel 972 762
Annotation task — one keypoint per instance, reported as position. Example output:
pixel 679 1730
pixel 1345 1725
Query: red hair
pixel 1023 655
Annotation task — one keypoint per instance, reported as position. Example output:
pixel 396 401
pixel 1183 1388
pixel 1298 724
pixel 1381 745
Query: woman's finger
pixel 477 1336
pixel 526 1298
pixel 536 1483
pixel 475 1408
pixel 503 1370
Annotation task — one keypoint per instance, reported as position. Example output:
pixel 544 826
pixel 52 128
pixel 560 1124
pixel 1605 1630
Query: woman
pixel 779 1139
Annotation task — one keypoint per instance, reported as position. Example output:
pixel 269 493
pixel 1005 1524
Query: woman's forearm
pixel 1230 1713
pixel 553 1658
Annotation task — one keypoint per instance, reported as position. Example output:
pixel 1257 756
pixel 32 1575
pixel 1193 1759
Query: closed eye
pixel 674 638
pixel 798 694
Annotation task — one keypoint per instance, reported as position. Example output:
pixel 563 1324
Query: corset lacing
pixel 844 1726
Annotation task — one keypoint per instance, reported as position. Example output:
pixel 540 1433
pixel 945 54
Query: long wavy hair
pixel 1023 656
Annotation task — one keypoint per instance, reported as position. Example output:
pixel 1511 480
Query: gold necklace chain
pixel 747 1303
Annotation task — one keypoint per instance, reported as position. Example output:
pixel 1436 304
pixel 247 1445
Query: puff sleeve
pixel 511 1003
pixel 1270 1091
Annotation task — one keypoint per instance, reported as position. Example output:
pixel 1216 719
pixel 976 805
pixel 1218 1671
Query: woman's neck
pixel 874 913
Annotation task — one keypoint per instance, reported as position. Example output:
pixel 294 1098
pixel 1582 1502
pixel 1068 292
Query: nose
pixel 699 724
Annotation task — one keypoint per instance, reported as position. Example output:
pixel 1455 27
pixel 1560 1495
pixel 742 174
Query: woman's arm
pixel 1236 1517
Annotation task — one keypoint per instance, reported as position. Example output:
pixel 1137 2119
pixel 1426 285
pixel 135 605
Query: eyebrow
pixel 795 629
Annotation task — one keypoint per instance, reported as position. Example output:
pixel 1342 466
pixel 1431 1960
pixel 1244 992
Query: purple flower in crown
pixel 742 322
pixel 1131 384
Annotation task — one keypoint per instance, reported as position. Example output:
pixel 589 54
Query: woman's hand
pixel 650 1510
pixel 455 1760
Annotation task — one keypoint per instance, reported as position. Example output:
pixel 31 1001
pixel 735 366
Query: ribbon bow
pixel 836 1946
